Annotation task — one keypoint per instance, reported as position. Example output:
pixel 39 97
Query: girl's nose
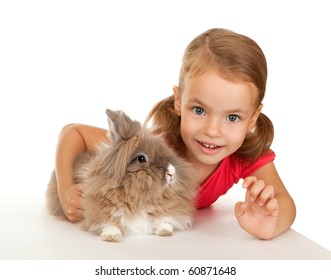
pixel 213 128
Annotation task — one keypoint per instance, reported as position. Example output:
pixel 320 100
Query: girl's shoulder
pixel 246 168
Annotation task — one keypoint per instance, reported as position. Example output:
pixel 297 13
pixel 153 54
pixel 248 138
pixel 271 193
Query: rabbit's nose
pixel 170 174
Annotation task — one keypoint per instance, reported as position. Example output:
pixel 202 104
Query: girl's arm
pixel 268 209
pixel 74 139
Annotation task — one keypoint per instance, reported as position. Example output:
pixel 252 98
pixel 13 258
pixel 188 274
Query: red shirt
pixel 228 173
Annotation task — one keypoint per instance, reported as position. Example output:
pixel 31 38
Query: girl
pixel 214 120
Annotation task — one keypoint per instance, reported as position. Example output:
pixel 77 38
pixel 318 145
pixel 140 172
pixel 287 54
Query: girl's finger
pixel 266 194
pixel 248 181
pixel 271 207
pixel 255 190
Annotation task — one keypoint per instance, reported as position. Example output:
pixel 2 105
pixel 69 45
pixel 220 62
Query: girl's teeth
pixel 208 146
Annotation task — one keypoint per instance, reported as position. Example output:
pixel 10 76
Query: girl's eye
pixel 233 118
pixel 198 110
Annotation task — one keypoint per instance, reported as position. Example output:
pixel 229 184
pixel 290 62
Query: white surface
pixel 30 234
pixel 66 61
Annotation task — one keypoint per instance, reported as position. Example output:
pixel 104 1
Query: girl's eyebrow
pixel 237 111
pixel 199 102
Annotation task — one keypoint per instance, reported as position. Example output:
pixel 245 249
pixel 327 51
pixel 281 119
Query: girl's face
pixel 216 115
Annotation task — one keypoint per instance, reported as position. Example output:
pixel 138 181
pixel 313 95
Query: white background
pixel 67 61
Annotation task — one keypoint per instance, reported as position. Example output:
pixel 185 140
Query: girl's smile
pixel 209 149
pixel 216 115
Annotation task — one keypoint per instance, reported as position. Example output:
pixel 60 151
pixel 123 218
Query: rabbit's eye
pixel 140 158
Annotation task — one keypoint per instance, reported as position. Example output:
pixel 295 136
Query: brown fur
pixel 126 187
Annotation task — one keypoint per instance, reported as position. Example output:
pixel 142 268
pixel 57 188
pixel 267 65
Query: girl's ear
pixel 255 116
pixel 177 100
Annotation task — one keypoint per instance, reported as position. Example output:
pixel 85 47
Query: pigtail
pixel 257 141
pixel 166 122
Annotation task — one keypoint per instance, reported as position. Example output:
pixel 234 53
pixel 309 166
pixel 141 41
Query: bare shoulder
pixel 91 135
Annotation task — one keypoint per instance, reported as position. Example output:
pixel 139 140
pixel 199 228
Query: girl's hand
pixel 72 203
pixel 258 214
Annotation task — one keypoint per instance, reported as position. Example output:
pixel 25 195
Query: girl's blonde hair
pixel 235 57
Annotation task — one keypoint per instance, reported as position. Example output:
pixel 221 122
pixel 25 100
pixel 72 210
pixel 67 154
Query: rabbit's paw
pixel 111 233
pixel 164 229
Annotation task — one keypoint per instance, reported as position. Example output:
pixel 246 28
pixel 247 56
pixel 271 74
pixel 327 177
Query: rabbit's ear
pixel 121 127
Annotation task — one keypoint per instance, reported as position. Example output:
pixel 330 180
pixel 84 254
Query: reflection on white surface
pixel 29 232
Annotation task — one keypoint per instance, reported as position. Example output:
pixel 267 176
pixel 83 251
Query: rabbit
pixel 136 184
